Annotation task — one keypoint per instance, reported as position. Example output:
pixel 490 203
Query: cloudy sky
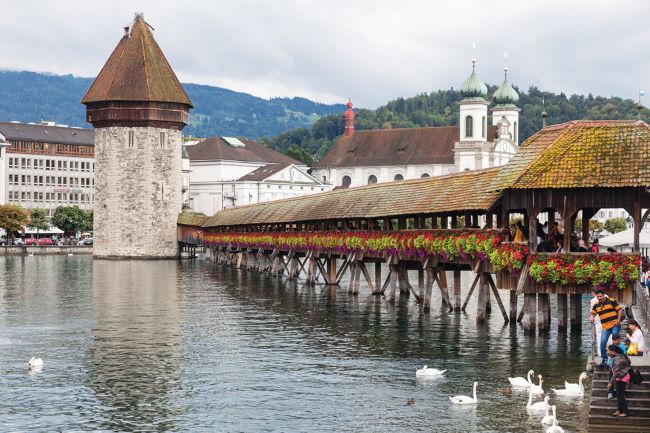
pixel 370 50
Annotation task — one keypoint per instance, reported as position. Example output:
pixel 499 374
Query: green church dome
pixel 505 94
pixel 473 87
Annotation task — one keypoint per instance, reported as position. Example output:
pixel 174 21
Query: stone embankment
pixel 22 250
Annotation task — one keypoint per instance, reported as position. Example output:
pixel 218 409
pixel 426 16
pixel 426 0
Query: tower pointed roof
pixel 473 87
pixel 505 94
pixel 137 70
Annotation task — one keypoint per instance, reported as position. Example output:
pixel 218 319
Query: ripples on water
pixel 192 346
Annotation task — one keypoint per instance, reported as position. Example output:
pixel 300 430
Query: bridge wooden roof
pixel 581 154
pixel 458 192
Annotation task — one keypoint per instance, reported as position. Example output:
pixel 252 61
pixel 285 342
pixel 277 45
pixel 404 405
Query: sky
pixel 329 50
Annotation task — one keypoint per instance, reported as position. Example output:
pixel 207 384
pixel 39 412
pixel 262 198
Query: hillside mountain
pixel 31 97
pixel 440 108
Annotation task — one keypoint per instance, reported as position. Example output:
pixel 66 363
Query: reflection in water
pixel 192 346
pixel 133 359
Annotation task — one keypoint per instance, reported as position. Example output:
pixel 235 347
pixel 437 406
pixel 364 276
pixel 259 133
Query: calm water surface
pixel 194 346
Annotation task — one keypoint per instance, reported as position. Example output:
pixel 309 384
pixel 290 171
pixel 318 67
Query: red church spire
pixel 349 120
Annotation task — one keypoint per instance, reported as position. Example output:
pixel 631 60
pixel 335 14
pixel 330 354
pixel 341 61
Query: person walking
pixel 610 315
pixel 620 378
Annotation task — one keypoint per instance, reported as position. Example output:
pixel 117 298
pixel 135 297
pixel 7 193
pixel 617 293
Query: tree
pixel 13 218
pixel 594 225
pixel 38 220
pixel 300 154
pixel 69 219
pixel 88 221
pixel 615 225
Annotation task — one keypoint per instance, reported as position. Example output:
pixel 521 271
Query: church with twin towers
pixel 383 155
pixel 138 108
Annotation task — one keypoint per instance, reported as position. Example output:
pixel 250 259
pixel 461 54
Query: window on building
pixel 372 179
pixel 131 138
pixel 516 134
pixel 399 177
pixel 346 181
pixel 425 175
pixel 324 179
pixel 484 127
pixel 162 139
pixel 469 127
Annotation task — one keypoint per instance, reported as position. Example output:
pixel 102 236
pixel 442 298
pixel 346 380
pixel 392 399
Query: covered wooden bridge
pixel 458 222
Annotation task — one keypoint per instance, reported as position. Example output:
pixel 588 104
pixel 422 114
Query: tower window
pixel 469 127
pixel 162 139
pixel 372 179
pixel 484 127
pixel 516 134
pixel 131 138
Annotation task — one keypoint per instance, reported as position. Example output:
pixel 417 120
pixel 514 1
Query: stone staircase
pixel 638 400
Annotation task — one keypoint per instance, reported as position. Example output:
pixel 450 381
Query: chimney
pixel 349 120
pixel 126 31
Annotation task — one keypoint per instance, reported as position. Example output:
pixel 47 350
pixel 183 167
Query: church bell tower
pixel 138 109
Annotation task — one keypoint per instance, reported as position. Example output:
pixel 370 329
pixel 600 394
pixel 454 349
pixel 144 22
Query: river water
pixel 194 346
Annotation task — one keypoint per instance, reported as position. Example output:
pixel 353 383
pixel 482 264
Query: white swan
pixel 520 381
pixel 555 428
pixel 548 418
pixel 463 399
pixel 578 385
pixel 35 364
pixel 429 372
pixel 537 406
pixel 572 389
pixel 537 389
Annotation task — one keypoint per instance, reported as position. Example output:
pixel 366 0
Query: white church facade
pixel 371 156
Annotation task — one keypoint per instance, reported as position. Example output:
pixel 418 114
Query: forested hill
pixel 440 108
pixel 32 97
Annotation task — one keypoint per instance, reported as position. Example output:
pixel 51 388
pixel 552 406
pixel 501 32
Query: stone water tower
pixel 138 108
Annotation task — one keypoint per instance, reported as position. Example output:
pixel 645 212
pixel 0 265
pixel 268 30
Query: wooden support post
pixel 373 288
pixel 390 297
pixel 240 259
pixel 562 307
pixel 530 316
pixel 454 222
pixel 331 270
pixel 495 292
pixel 482 298
pixel 543 308
pixel 441 277
pixel 421 283
pixel 428 287
pixel 576 311
pixel 457 290
pixel 471 290
pixel 488 302
pixel 377 277
pixel 403 280
pixel 357 277
pixel 513 306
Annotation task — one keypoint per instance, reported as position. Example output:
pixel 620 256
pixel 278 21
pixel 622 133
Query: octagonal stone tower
pixel 138 108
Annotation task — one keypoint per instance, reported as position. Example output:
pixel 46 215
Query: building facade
pixel 47 165
pixel 373 156
pixel 138 108
pixel 229 171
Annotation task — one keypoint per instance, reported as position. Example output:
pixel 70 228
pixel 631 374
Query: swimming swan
pixel 548 418
pixel 429 372
pixel 555 428
pixel 463 399
pixel 572 389
pixel 520 381
pixel 537 406
pixel 537 389
pixel 35 364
